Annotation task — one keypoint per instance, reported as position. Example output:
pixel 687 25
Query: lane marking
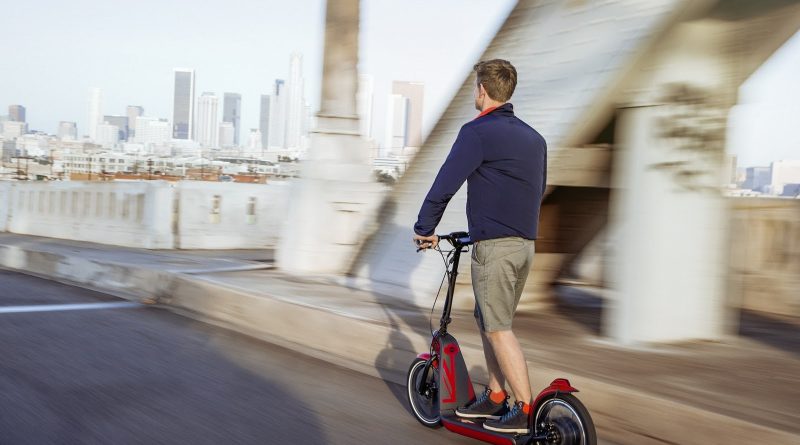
pixel 66 307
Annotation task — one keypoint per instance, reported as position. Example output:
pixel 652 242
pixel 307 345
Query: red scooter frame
pixel 438 382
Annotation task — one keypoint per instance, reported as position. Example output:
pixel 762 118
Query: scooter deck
pixel 474 428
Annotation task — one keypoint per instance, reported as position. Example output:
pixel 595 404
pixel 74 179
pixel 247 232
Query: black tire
pixel 424 407
pixel 566 417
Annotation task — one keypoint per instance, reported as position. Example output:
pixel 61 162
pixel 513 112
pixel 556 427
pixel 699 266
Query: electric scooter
pixel 438 382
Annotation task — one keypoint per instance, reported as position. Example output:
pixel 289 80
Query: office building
pixel 364 100
pixel 16 113
pixel 122 124
pixel 67 130
pixel 133 111
pixel 264 118
pixel 232 112
pixel 414 92
pixel 294 102
pixel 183 104
pixel 226 135
pixel 207 120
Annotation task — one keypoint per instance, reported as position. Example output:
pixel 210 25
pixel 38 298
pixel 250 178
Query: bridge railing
pixel 147 214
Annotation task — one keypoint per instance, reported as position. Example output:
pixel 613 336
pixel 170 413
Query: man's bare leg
pixel 508 355
pixel 497 382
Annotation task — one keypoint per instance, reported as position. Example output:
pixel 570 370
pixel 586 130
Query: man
pixel 504 162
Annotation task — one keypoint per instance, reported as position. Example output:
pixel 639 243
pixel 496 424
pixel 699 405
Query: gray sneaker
pixel 515 421
pixel 483 407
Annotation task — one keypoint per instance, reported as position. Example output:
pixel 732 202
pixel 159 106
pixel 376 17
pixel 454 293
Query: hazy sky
pixel 129 49
pixel 56 50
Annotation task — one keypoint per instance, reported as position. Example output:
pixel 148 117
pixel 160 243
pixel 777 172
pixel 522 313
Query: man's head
pixel 496 80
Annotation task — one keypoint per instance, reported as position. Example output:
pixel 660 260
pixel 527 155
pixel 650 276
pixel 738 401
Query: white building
pixel 151 130
pixel 396 124
pixel 783 173
pixel 35 145
pixel 95 112
pixel 226 134
pixel 106 135
pixel 67 131
pixel 295 102
pixel 133 111
pixel 254 146
pixel 207 120
pixel 365 98
pixel 12 129
pixel 277 118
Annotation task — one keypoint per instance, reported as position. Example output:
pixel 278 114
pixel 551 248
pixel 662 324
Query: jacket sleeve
pixel 464 158
pixel 544 173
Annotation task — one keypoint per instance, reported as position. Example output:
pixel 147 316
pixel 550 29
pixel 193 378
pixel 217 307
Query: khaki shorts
pixel 499 270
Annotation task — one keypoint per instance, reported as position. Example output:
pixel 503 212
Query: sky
pixel 62 49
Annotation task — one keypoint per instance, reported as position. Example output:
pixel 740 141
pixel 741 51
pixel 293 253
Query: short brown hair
pixel 498 77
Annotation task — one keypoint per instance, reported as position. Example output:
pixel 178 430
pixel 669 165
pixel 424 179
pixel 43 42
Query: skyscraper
pixel 232 112
pixel 183 104
pixel 122 125
pixel 414 92
pixel 397 123
pixel 225 135
pixel 95 111
pixel 67 130
pixel 263 119
pixel 254 146
pixel 107 134
pixel 207 120
pixel 151 130
pixel 277 120
pixel 16 113
pixel 364 99
pixel 133 111
pixel 294 102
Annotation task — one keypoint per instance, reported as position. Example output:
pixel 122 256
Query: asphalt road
pixel 143 375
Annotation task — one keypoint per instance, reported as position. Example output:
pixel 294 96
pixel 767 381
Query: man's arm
pixel 465 156
pixel 544 173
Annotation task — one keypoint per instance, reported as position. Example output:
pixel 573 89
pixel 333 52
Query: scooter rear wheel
pixel 565 420
pixel 424 406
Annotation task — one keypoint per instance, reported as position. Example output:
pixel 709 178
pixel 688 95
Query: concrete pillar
pixel 334 201
pixel 669 224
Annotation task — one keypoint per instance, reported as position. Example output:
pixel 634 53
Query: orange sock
pixel 526 408
pixel 498 396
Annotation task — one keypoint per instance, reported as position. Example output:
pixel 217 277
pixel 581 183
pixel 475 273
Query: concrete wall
pixel 147 214
pixel 5 202
pixel 230 216
pixel 133 214
pixel 765 255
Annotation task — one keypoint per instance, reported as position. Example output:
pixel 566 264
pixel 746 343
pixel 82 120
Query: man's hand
pixel 426 242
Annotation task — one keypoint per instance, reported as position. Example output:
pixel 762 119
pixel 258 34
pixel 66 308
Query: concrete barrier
pixel 147 214
pixel 5 202
pixel 132 214
pixel 765 255
pixel 229 216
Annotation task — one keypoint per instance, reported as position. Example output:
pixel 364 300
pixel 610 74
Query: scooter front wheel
pixel 565 421
pixel 425 403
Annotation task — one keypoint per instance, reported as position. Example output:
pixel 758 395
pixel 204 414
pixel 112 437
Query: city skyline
pixel 760 130
pixel 245 58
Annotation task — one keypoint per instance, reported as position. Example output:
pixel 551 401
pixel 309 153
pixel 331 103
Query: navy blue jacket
pixel 504 162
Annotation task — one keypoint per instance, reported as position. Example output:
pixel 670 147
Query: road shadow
pixel 781 333
pixel 404 317
pixel 142 376
pixel 580 305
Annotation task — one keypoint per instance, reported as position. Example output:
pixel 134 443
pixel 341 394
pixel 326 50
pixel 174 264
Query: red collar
pixel 485 112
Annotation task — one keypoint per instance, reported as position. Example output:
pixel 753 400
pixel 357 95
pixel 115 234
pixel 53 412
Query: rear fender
pixel 556 386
